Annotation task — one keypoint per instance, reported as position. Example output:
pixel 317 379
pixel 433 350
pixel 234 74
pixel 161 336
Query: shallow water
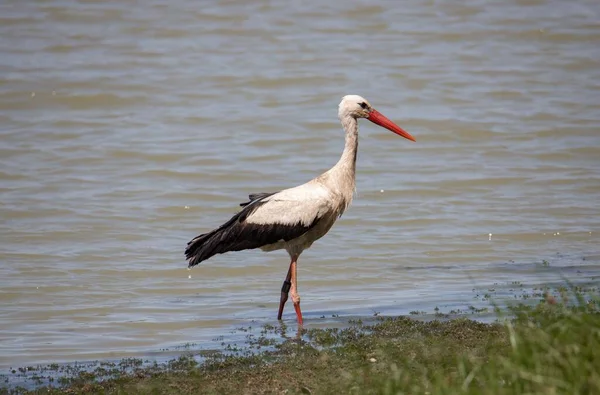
pixel 127 130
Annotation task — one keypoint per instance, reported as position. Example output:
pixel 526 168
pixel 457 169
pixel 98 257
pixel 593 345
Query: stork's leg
pixel 291 284
pixel 285 289
pixel 294 290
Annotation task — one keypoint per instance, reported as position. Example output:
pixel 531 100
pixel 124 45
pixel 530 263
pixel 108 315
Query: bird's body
pixel 293 219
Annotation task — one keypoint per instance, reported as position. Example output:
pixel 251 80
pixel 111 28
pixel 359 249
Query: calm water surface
pixel 128 129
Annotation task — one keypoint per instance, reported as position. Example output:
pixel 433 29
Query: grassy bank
pixel 551 348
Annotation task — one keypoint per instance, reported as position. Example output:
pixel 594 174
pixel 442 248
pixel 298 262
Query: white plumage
pixel 294 218
pixel 290 206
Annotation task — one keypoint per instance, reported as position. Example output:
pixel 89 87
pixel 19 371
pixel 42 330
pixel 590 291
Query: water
pixel 126 130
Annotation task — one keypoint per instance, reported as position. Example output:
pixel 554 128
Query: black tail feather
pixel 227 237
pixel 237 234
pixel 200 248
pixel 221 240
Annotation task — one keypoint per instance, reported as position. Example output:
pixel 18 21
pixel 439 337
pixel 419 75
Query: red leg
pixel 294 290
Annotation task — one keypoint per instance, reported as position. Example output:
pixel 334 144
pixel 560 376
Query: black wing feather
pixel 236 234
pixel 257 196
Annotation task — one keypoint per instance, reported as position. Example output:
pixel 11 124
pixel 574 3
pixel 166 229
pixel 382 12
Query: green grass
pixel 550 348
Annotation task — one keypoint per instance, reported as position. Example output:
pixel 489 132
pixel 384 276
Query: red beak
pixel 379 119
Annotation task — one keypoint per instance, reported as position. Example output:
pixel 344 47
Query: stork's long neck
pixel 347 162
pixel 341 177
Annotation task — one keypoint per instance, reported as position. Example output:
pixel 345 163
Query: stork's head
pixel 358 107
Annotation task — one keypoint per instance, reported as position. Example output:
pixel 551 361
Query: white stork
pixel 294 218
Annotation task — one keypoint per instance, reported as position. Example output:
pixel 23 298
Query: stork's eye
pixel 363 105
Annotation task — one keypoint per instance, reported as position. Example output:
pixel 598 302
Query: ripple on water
pixel 128 131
